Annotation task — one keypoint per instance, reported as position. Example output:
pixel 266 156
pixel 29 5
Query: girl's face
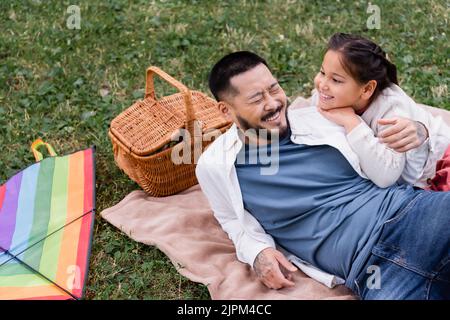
pixel 336 87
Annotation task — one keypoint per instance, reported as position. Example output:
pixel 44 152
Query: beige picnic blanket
pixel 184 228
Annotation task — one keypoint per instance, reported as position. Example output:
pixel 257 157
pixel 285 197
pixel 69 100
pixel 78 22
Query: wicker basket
pixel 142 135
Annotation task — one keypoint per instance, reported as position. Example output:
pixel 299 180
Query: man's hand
pixel 345 117
pixel 404 134
pixel 273 269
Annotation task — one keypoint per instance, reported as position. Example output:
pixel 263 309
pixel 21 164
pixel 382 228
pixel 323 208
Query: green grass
pixel 50 81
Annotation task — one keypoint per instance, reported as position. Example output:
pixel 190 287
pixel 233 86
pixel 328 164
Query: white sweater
pixel 379 162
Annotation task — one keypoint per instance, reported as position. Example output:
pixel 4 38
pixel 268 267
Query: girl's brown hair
pixel 364 60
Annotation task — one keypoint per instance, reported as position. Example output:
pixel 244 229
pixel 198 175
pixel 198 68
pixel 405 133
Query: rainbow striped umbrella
pixel 46 223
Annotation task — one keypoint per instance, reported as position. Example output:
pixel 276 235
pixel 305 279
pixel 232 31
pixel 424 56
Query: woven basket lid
pixel 149 124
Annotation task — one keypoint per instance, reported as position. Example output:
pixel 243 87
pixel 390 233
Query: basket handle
pixel 150 92
pixel 37 155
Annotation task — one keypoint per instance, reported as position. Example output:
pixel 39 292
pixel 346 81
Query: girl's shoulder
pixel 391 102
pixel 393 98
pixel 394 92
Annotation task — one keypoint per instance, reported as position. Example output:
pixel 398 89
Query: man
pixel 317 204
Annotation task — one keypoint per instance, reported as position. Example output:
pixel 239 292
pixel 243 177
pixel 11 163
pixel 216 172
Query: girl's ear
pixel 369 89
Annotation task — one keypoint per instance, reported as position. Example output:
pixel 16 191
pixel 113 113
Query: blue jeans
pixel 411 260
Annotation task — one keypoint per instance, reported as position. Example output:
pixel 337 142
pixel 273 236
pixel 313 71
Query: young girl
pixel 355 88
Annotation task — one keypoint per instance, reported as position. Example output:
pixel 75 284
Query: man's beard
pixel 245 125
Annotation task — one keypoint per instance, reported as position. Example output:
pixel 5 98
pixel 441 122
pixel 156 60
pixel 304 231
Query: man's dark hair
pixel 229 66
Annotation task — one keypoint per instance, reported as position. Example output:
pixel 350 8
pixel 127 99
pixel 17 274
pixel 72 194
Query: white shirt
pixel 218 180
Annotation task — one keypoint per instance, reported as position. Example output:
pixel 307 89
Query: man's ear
pixel 369 89
pixel 224 108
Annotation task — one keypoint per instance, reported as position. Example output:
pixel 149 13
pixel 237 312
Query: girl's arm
pixel 396 104
pixel 380 164
pixel 416 152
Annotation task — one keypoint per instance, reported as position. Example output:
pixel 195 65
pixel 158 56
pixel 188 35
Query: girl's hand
pixel 345 117
pixel 404 134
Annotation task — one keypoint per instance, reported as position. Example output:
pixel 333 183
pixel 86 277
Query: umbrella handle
pixel 37 155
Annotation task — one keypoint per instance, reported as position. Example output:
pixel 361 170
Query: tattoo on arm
pixel 261 262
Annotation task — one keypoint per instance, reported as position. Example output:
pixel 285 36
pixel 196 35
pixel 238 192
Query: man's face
pixel 260 102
